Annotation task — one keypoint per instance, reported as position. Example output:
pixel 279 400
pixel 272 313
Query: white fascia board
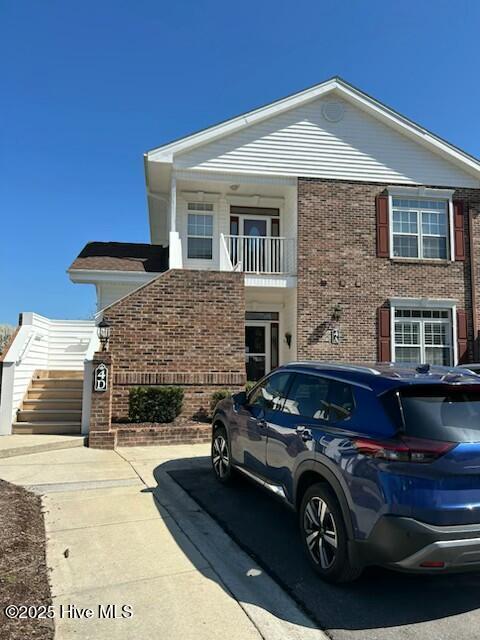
pixel 91 276
pixel 370 105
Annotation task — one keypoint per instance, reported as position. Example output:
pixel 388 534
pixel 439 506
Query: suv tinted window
pixel 319 398
pixel 271 393
pixel 437 414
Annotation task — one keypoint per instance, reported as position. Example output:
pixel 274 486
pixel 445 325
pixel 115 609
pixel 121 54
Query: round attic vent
pixel 333 111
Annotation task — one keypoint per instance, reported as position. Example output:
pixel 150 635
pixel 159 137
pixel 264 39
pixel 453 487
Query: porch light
pixel 104 331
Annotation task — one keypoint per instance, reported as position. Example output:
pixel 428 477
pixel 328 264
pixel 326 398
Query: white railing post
pixel 225 255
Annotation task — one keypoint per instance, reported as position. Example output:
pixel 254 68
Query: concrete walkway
pixel 21 445
pixel 122 532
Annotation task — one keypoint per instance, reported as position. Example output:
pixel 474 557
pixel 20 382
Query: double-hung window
pixel 420 228
pixel 422 335
pixel 200 230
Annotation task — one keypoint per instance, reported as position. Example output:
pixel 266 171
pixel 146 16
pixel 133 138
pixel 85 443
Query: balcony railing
pixel 259 254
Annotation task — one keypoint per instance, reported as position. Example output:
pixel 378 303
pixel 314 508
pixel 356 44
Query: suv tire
pixel 324 535
pixel 221 456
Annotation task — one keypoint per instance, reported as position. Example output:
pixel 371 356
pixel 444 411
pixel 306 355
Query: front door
pixel 257 349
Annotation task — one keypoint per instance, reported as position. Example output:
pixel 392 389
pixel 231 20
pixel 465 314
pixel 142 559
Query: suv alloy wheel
pixel 220 456
pixel 324 535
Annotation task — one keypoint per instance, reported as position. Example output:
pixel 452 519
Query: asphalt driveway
pixel 382 605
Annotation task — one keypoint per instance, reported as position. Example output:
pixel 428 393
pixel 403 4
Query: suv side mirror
pixel 240 399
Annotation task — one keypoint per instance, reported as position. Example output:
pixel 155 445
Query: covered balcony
pixel 270 255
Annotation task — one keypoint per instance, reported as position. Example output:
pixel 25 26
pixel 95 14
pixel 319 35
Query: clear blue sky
pixel 87 86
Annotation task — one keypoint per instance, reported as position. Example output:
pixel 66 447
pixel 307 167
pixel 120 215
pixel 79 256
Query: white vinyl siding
pixel 301 142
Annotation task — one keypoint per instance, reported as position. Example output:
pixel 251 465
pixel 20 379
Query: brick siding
pixel 185 328
pixel 337 264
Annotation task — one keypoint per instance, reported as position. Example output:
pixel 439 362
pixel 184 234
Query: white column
pixel 175 244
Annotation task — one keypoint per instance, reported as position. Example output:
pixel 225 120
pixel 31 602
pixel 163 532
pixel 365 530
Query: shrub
pixel 6 332
pixel 221 394
pixel 155 404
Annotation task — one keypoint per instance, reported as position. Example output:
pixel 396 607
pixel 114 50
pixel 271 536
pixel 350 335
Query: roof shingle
pixel 122 256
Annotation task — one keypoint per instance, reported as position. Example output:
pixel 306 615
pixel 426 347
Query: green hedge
pixel 155 404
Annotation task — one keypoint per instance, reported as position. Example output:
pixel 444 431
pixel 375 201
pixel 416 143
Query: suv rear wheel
pixel 221 458
pixel 324 535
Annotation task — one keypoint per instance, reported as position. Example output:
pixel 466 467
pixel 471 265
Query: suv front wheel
pixel 324 535
pixel 221 458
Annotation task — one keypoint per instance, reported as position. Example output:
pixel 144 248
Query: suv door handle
pixel 304 433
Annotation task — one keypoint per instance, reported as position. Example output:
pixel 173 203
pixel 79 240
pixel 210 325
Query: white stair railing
pixel 260 254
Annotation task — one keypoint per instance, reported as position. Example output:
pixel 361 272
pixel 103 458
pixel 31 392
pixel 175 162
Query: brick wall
pixel 337 264
pixel 185 328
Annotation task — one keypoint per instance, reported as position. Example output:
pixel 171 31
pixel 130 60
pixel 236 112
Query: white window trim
pixel 424 303
pixel 422 193
pixel 212 237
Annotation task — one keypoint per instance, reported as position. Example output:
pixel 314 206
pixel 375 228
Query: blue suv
pixel 381 463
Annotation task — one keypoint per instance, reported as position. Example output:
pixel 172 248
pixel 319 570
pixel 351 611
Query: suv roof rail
pixel 341 367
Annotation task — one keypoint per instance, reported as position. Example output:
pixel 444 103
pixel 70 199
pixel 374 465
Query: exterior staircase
pixel 52 405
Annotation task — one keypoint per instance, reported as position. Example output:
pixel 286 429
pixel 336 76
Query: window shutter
pixel 384 346
pixel 462 342
pixel 382 227
pixel 458 228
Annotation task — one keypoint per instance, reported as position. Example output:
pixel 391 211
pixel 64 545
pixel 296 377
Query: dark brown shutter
pixel 382 227
pixel 384 347
pixel 462 342
pixel 458 228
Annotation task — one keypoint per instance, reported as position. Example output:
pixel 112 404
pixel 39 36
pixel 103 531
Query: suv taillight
pixel 404 449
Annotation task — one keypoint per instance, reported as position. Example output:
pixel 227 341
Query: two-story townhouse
pixel 322 226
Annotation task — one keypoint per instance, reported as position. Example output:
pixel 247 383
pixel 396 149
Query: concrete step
pixel 64 404
pixel 55 393
pixel 54 415
pixel 53 374
pixel 46 427
pixel 53 383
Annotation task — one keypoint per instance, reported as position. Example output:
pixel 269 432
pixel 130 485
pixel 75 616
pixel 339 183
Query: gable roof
pixel 121 256
pixel 385 114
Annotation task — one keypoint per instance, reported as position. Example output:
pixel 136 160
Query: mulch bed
pixel 23 569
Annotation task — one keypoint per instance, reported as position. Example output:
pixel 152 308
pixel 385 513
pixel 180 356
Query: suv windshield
pixel 437 413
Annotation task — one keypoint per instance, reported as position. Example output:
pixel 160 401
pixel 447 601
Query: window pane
pixel 434 355
pixel 271 393
pixel 200 206
pixel 407 354
pixel 405 222
pixel 308 397
pixel 434 247
pixel 199 225
pixel 340 401
pixel 405 246
pixel 200 248
pixel 434 224
pixel 436 334
pixel 407 333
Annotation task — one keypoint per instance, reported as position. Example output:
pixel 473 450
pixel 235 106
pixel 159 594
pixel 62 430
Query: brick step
pixel 61 383
pixel 55 393
pixel 61 373
pixel 34 404
pixel 46 428
pixel 47 415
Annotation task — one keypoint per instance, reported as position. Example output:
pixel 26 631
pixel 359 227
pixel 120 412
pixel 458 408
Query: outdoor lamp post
pixel 104 331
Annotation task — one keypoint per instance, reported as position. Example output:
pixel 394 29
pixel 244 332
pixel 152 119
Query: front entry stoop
pixel 52 405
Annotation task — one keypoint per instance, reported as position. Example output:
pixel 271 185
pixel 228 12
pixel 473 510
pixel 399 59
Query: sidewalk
pixel 121 532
